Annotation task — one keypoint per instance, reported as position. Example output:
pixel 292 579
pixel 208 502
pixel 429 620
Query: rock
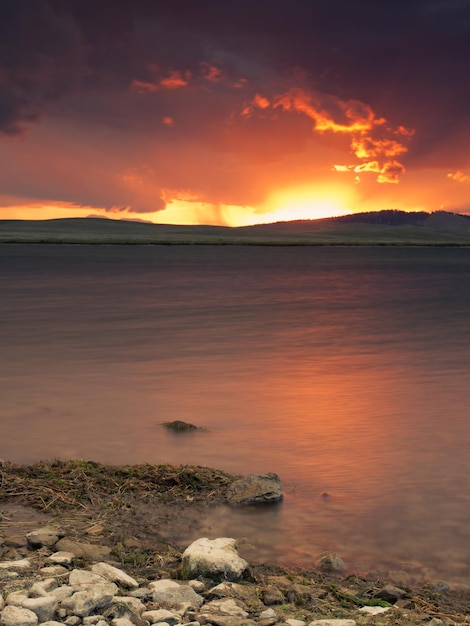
pixel 255 488
pixel 47 536
pixel 61 558
pixel 169 593
pixel 268 614
pixel 43 607
pixel 128 604
pixel 121 621
pixel 226 620
pixel 247 594
pixel 272 595
pixel 81 578
pixel 178 426
pixel 82 603
pixel 197 585
pixel 213 558
pixel 19 565
pixel 331 562
pixel 225 606
pixel 295 622
pixel 62 592
pixel 391 594
pixel 333 622
pixel 17 616
pixel 115 575
pixel 54 570
pixel 439 586
pixel 375 610
pixel 83 550
pixel 41 588
pixel 16 598
pixel 161 615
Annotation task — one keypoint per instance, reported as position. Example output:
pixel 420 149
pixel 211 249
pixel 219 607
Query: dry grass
pixel 62 484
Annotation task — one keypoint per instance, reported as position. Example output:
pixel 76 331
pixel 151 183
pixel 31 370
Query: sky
pixel 233 111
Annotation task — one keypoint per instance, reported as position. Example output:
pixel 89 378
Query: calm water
pixel 344 370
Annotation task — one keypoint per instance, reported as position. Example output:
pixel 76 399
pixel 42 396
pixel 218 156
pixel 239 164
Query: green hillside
pixel 377 228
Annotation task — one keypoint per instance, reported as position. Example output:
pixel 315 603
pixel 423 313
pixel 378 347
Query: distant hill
pixel 374 228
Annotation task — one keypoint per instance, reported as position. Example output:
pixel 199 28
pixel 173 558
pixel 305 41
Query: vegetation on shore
pixel 53 485
pixel 387 228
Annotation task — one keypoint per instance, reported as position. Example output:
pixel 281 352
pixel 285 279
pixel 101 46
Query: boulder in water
pixel 255 488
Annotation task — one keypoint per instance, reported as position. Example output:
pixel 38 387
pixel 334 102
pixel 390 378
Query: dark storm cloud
pixel 194 91
pixel 408 57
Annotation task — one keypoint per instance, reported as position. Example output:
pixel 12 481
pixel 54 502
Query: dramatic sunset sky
pixel 233 111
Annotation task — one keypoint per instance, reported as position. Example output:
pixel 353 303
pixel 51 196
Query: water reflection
pixel 343 370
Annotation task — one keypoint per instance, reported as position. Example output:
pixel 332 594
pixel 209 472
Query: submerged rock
pixel 178 426
pixel 256 488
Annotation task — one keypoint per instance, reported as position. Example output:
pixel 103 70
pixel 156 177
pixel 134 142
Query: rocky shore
pixel 76 560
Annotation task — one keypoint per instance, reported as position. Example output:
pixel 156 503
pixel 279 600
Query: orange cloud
pixel 258 102
pixel 175 80
pixel 141 86
pixel 352 116
pixel 459 176
pixel 372 140
pixel 366 147
pixel 212 73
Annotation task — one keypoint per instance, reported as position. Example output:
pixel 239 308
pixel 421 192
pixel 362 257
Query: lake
pixel 344 370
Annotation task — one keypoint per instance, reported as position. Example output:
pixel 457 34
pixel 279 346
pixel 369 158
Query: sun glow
pixel 306 203
pixel 299 203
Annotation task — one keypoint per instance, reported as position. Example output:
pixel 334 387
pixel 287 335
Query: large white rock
pixel 216 557
pixel 16 616
pixel 115 575
pixel 85 602
pixel 169 593
pixel 255 488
